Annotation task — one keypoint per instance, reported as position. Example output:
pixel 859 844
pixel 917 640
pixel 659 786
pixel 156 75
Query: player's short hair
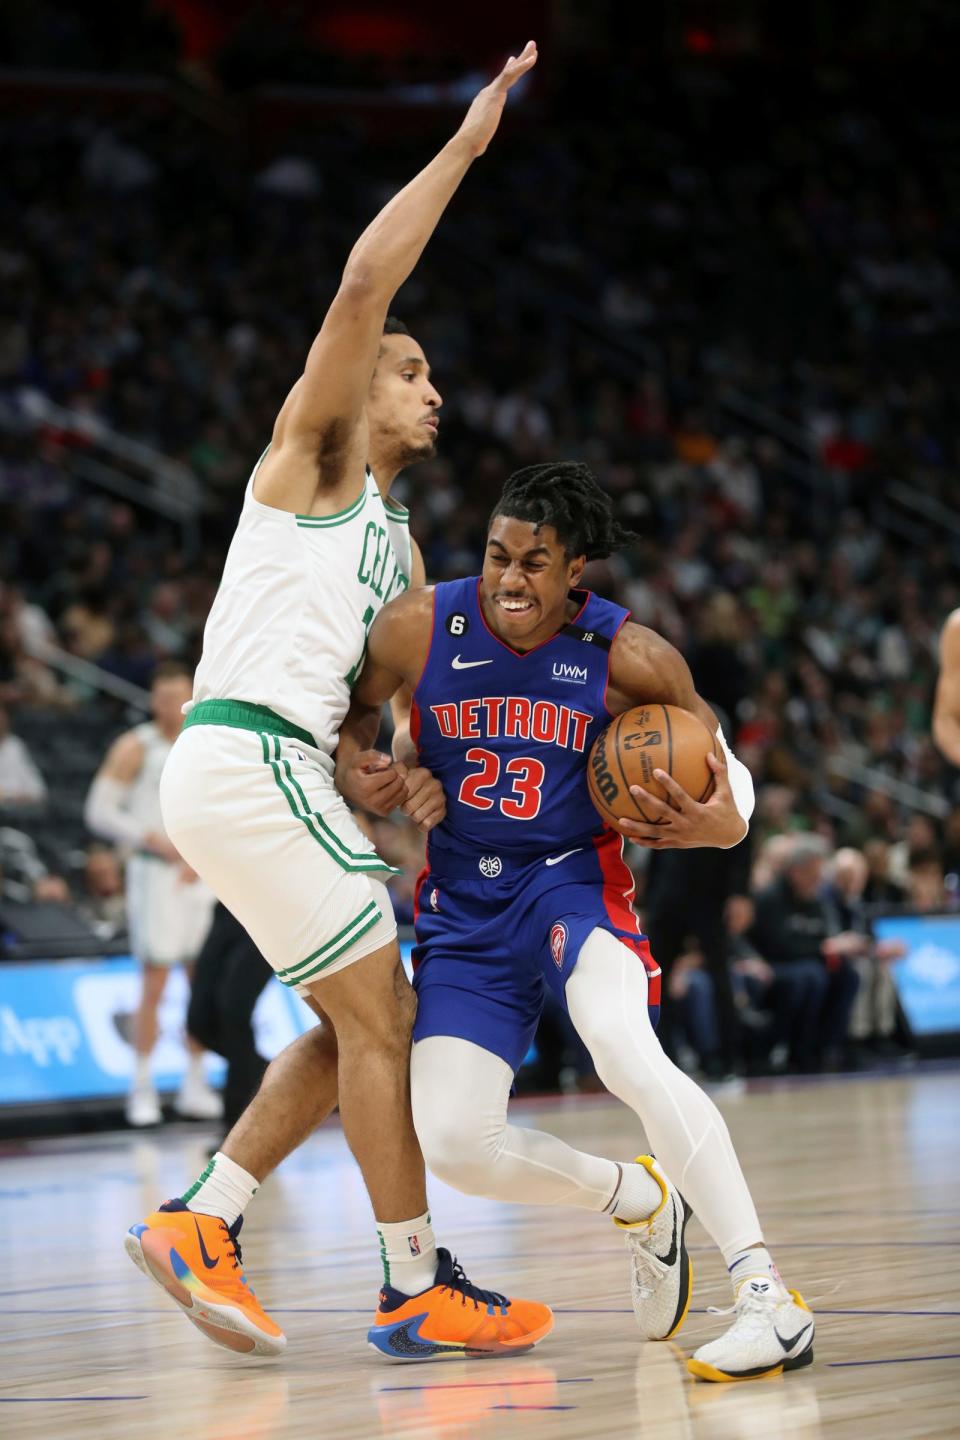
pixel 172 670
pixel 393 326
pixel 565 494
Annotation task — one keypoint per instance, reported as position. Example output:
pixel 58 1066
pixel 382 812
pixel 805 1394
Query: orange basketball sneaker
pixel 455 1320
pixel 196 1259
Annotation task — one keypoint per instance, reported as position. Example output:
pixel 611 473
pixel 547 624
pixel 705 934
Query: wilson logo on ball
pixel 603 779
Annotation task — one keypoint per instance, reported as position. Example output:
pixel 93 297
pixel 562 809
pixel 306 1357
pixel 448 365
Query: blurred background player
pixel 168 908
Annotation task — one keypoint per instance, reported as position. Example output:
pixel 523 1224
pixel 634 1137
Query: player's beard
pixel 410 451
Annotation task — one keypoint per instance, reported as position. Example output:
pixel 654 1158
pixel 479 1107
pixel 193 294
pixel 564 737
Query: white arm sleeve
pixel 105 816
pixel 741 783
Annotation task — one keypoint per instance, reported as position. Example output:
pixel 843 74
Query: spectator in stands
pixel 874 1015
pixel 881 890
pixel 926 891
pixel 103 902
pixel 21 784
pixel 51 889
pixel 753 979
pixel 691 990
pixel 797 932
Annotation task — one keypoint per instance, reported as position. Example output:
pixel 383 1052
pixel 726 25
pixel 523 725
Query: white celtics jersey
pixel 142 800
pixel 288 628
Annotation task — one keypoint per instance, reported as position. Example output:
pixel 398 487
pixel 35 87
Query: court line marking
pixel 62 1399
pixel 533 1407
pixel 486 1384
pixel 894 1360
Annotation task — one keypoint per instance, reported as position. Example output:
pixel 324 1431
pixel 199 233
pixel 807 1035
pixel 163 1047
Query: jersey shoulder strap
pixel 598 623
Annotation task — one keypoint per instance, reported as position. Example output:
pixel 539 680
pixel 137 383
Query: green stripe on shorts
pixel 365 862
pixel 349 935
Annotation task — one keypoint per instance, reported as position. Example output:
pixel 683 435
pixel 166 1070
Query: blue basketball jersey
pixel 508 732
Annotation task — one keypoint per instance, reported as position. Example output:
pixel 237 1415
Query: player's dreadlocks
pixel 565 494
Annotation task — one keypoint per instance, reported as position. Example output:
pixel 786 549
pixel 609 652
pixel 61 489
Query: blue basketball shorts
pixel 488 945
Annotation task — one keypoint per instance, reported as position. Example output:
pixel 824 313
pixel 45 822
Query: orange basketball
pixel 641 740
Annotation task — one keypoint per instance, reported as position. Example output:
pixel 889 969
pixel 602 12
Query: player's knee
pixel 455 1147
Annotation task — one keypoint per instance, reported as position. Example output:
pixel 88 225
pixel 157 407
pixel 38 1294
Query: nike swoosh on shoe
pixel 211 1264
pixel 671 1256
pixel 789 1344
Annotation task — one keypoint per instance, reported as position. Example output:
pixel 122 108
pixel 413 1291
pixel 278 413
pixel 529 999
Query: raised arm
pixel 646 669
pixel 319 437
pixel 946 706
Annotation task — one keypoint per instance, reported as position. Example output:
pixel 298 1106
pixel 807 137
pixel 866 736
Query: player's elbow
pixel 360 288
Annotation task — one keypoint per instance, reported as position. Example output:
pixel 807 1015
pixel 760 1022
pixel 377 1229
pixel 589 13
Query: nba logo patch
pixel 434 899
pixel 558 943
pixel 414 1244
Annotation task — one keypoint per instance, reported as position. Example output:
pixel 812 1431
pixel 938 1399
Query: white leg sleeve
pixel 460 1093
pixel 607 1001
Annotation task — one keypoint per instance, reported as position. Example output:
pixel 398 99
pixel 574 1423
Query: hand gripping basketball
pixel 684 823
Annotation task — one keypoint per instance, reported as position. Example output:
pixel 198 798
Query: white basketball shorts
pixel 257 815
pixel 168 917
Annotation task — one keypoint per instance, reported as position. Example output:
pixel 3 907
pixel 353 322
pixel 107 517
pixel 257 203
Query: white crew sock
pixel 194 1075
pixel 409 1254
pixel 142 1078
pixel 224 1188
pixel 746 1264
pixel 637 1196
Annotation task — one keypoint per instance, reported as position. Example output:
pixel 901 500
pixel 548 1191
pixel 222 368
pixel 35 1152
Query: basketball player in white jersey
pixel 248 798
pixel 168 908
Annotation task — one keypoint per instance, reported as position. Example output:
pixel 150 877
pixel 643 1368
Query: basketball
pixel 641 740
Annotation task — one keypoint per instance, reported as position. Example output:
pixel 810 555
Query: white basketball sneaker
pixel 773 1332
pixel 143 1106
pixel 661 1272
pixel 196 1100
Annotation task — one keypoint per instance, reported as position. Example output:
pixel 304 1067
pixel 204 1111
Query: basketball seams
pixel 711 779
pixel 615 737
pixel 669 729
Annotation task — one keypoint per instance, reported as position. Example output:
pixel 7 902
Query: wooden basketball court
pixel 858 1183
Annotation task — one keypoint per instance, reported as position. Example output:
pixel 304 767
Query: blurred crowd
pixel 741 323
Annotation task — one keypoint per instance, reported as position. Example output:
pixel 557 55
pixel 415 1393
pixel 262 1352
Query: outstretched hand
pixel 683 823
pixel 481 120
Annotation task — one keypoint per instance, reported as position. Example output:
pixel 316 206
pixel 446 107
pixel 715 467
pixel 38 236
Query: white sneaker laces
pixel 648 1270
pixel 752 1312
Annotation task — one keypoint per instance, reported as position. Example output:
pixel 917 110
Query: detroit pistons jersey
pixel 508 732
pixel 288 628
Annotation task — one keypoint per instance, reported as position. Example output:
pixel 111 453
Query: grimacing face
pixel 402 404
pixel 526 577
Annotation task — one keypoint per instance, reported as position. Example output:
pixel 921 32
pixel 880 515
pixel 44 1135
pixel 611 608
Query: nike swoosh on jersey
pixel 210 1264
pixel 789 1344
pixel 459 664
pixel 555 859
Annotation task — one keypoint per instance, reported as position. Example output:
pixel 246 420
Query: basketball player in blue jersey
pixel 514 674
